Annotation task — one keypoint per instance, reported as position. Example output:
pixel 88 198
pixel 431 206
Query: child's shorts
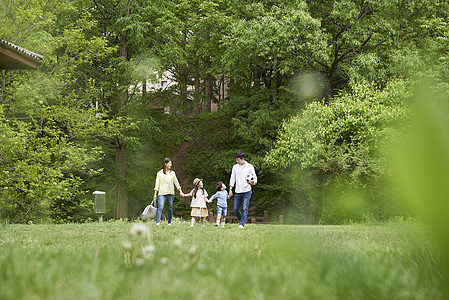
pixel 221 210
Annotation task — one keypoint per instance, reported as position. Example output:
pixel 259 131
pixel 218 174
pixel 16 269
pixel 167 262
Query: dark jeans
pixel 240 198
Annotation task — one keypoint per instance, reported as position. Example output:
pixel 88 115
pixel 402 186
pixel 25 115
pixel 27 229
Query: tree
pixel 59 105
pixel 186 42
pixel 125 23
pixel 344 144
pixel 269 44
pixel 44 164
pixel 367 38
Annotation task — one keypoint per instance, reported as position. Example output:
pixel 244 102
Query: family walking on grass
pixel 243 177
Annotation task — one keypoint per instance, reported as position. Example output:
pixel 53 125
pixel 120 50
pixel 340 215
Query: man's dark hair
pixel 240 155
pixel 218 186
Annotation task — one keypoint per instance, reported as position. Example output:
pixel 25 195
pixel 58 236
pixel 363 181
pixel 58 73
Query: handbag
pixel 149 212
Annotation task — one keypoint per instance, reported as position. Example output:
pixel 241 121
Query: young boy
pixel 222 203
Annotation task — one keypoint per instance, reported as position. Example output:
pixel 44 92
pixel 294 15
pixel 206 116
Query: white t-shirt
pixel 238 177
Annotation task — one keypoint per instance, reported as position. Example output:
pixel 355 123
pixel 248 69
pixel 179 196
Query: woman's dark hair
pixel 166 161
pixel 218 186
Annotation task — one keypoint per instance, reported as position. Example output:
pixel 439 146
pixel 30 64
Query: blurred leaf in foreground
pixel 422 164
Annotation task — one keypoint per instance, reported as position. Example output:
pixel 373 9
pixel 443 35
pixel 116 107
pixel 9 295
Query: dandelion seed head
pixel 139 261
pixel 139 230
pixel 148 251
pixel 192 250
pixel 127 245
pixel 177 243
pixel 149 248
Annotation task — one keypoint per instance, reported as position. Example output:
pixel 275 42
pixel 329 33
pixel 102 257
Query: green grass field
pixel 89 261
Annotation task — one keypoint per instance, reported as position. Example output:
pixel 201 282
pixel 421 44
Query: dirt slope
pixel 179 159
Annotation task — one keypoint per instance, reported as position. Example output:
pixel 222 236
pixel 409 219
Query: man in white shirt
pixel 243 176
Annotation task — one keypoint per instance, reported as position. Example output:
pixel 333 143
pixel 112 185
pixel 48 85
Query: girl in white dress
pixel 198 204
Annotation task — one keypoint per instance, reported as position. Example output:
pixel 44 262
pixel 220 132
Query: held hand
pixel 230 193
pixel 182 194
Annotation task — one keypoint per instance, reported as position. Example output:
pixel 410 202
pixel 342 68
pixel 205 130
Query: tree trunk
pixel 197 88
pixel 183 86
pixel 256 77
pixel 121 192
pixel 2 99
pixel 331 78
pixel 184 76
pixel 144 87
pixel 208 87
pixel 278 77
pixel 230 87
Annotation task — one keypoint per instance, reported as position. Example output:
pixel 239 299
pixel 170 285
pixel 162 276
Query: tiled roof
pixel 15 57
pixel 21 50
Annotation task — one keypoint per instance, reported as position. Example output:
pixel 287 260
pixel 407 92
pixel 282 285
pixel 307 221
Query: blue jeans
pixel 160 207
pixel 240 198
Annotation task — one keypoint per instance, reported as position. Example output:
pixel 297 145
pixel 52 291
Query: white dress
pixel 198 204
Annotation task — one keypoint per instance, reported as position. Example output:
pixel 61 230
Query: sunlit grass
pixel 87 261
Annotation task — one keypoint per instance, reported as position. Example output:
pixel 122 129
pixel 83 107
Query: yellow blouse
pixel 164 183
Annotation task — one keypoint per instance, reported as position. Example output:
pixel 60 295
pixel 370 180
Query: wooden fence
pixel 233 219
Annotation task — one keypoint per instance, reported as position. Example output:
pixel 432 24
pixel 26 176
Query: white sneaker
pixel 203 225
pixel 222 225
pixel 241 226
pixel 157 224
pixel 169 224
pixel 191 225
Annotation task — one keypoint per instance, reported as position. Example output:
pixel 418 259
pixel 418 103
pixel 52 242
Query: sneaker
pixel 203 225
pixel 157 224
pixel 216 224
pixel 241 226
pixel 169 224
pixel 191 225
pixel 222 225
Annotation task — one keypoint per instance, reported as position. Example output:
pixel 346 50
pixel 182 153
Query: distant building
pixel 165 80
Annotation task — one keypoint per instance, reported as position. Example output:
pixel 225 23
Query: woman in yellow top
pixel 164 189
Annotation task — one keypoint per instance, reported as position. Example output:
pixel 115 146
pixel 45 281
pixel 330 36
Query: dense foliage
pixel 309 90
pixel 44 164
pixel 345 144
